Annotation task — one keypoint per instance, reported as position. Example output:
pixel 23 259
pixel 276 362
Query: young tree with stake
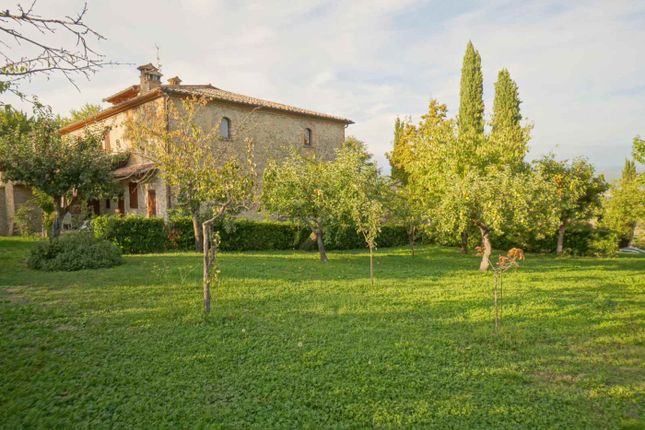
pixel 184 143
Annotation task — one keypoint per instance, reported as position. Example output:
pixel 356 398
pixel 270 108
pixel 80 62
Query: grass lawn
pixel 295 343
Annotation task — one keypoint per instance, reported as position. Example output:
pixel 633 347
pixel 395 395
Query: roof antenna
pixel 158 58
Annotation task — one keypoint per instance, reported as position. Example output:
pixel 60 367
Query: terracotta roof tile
pixel 216 93
pixel 133 170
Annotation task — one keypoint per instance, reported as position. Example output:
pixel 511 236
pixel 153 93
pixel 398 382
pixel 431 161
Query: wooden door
pixel 121 205
pixel 96 206
pixel 152 203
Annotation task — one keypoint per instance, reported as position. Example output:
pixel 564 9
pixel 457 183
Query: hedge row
pixel 579 239
pixel 137 235
pixel 133 234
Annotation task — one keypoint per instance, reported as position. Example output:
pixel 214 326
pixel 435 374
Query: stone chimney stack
pixel 150 78
pixel 174 82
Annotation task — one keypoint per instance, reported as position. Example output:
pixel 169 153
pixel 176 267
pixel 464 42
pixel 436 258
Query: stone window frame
pixel 308 137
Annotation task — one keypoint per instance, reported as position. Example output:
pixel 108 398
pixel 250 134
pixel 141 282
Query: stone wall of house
pixel 274 131
pixel 4 221
pixel 271 131
pixel 154 183
pixel 12 197
pixel 117 129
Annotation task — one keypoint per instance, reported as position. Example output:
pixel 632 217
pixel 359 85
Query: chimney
pixel 150 78
pixel 175 82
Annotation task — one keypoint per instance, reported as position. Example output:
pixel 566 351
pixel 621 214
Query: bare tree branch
pixel 30 50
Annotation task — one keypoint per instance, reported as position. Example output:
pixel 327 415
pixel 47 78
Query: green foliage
pixel 133 234
pixel 471 94
pixel 638 151
pixel 14 122
pixel 74 251
pixel 603 243
pixel 319 346
pixel 86 111
pixel 578 190
pixel 625 205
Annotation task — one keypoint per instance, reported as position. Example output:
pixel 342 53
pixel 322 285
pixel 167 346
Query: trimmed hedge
pixel 74 251
pixel 247 235
pixel 133 234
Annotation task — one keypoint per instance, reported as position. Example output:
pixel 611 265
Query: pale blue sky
pixel 579 65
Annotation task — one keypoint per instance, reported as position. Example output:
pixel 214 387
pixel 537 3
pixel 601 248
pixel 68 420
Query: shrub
pixel 603 243
pixel 74 251
pixel 133 234
pixel 28 218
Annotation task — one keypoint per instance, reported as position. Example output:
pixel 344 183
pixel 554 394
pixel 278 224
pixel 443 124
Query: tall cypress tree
pixel 506 106
pixel 507 134
pixel 471 103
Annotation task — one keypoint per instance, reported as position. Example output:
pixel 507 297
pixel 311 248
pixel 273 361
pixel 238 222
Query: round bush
pixel 74 251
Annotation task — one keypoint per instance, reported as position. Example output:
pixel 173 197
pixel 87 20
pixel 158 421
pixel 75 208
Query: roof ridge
pixel 218 93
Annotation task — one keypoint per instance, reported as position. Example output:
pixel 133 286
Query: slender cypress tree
pixel 506 106
pixel 471 103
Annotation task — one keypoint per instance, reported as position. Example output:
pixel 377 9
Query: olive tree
pixel 303 190
pixel 578 191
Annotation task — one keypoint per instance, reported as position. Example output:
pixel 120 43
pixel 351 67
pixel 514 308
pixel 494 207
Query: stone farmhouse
pixel 275 126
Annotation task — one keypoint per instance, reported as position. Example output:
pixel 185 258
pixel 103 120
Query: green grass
pixel 295 343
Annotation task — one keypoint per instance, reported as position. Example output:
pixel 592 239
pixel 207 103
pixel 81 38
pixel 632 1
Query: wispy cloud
pixel 579 65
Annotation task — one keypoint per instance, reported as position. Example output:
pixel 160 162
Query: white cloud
pixel 579 66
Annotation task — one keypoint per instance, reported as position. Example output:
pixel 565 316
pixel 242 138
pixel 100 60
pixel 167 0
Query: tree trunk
pixel 560 246
pixel 197 230
pixel 497 280
pixel 58 221
pixel 321 244
pixel 372 264
pixel 412 235
pixel 210 247
pixel 488 248
pixel 464 242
